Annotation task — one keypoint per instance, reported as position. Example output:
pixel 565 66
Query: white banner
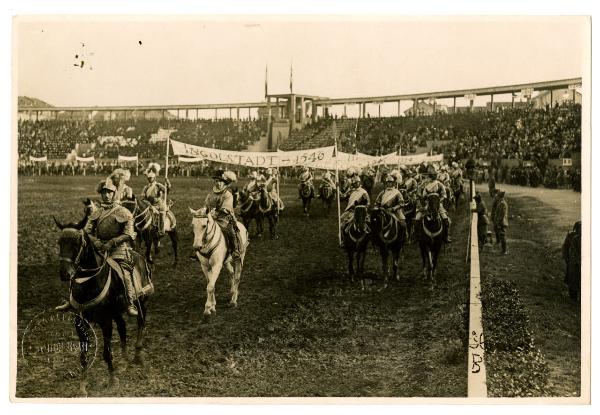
pixel 127 158
pixel 31 158
pixel 190 159
pixel 394 158
pixel 91 158
pixel 255 159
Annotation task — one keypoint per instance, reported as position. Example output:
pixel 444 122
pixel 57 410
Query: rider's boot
pixel 234 242
pixel 161 223
pixel 130 293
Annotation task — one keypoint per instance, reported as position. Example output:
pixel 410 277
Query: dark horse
pixel 259 205
pixel 571 252
pixel 146 226
pixel 97 293
pixel 432 234
pixel 355 237
pixel 327 195
pixel 88 208
pixel 410 211
pixel 307 192
pixel 389 235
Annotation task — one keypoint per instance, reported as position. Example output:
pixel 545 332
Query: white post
pixel 337 184
pixel 137 164
pixel 278 179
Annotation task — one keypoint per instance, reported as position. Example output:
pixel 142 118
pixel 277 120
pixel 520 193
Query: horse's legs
pixel 234 280
pixel 148 243
pixel 174 239
pixel 384 262
pixel 360 263
pixel 259 225
pixel 396 262
pixel 122 330
pixel 351 264
pixel 424 258
pixel 211 276
pixel 83 358
pixel 107 329
pixel 156 243
pixel 141 325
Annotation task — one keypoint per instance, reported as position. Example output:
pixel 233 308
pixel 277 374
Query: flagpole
pixel 137 164
pixel 337 185
pixel 167 167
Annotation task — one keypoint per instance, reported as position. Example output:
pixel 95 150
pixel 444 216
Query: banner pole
pixel 167 167
pixel 137 164
pixel 337 185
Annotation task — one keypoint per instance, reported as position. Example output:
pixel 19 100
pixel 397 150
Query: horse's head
pixel 376 217
pixel 360 217
pixel 201 220
pixel 71 244
pixel 89 206
pixel 433 203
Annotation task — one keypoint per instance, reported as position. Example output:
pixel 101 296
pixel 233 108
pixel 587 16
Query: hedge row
pixel 515 368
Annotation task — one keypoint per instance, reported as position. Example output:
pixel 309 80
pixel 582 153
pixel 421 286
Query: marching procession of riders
pixel 112 230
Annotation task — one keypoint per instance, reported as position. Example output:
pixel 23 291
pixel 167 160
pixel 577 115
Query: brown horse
pixel 307 193
pixel 146 226
pixel 389 235
pixel 432 235
pixel 97 293
pixel 356 235
pixel 327 195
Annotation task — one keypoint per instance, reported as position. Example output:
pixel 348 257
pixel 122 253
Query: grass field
pixel 300 328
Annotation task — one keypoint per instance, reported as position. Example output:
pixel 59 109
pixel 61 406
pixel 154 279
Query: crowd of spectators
pixel 55 139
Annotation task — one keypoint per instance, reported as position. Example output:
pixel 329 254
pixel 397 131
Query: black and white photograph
pixel 321 208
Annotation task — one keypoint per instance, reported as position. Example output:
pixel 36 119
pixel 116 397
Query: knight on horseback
pixel 390 199
pixel 250 187
pixel 356 196
pixel 306 179
pixel 432 185
pixel 111 229
pixel 219 202
pixel 120 177
pixel 270 183
pixel 154 192
pixel 327 181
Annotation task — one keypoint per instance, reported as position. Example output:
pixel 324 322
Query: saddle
pixel 140 274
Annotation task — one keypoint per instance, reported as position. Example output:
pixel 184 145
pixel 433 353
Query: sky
pixel 193 61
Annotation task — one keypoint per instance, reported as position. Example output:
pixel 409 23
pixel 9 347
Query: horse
pixel 97 293
pixel 457 190
pixel 89 207
pixel 307 192
pixel 327 195
pixel 212 252
pixel 355 237
pixel 432 236
pixel 571 253
pixel 269 209
pixel 249 210
pixel 146 225
pixel 448 202
pixel 410 211
pixel 389 235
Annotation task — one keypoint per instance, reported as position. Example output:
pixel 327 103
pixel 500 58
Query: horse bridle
pixel 75 261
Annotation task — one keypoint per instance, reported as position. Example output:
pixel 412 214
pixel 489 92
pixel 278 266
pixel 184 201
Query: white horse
pixel 211 249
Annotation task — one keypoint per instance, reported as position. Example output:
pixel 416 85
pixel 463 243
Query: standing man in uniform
pixel 501 220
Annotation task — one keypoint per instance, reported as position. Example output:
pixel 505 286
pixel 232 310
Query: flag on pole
pixel 266 80
pixel 292 78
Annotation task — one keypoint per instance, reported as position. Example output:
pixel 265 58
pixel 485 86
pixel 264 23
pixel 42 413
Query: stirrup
pixel 132 311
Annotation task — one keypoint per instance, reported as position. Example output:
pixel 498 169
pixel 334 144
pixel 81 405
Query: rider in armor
pixel 327 181
pixel 110 228
pixel 356 196
pixel 251 185
pixel 271 184
pixel 306 179
pixel 120 177
pixel 390 199
pixel 154 192
pixel 219 203
pixel 429 187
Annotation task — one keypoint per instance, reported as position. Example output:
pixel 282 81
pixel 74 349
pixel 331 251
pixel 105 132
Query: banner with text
pixel 190 159
pixel 44 158
pixel 408 160
pixel 255 159
pixel 128 158
pixel 91 158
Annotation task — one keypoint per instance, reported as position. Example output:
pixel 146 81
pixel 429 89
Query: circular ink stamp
pixel 61 342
